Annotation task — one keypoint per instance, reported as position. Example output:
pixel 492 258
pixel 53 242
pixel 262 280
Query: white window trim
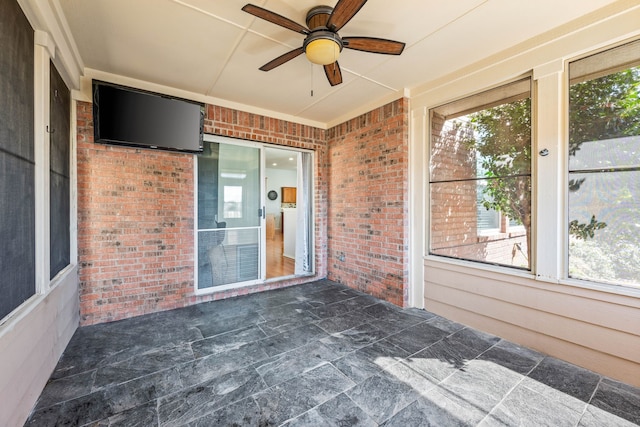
pixel 44 54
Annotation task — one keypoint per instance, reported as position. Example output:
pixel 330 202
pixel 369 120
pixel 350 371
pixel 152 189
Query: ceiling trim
pixel 47 16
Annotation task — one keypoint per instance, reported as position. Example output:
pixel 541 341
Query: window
pixel 59 174
pixel 604 167
pixel 17 160
pixel 480 177
pixel 232 201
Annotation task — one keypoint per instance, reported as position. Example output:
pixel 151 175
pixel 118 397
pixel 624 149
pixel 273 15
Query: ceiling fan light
pixel 322 50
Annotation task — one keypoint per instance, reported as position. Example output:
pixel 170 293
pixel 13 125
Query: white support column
pixel 418 143
pixel 549 160
pixel 44 51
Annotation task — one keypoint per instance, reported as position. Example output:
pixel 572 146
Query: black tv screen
pixel 128 116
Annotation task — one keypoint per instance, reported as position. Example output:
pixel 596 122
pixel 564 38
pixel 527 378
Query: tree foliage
pixel 604 108
pixel 503 144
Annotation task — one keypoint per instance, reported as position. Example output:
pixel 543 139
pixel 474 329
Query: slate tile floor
pixel 317 355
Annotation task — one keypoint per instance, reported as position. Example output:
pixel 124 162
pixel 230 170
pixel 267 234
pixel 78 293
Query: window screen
pixel 604 167
pixel 480 172
pixel 17 198
pixel 59 176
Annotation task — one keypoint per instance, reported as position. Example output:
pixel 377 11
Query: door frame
pixel 262 267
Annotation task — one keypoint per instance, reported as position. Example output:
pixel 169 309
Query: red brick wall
pixel 136 216
pixel 368 209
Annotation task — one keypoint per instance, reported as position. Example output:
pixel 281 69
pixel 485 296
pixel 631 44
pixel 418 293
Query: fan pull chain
pixel 311 65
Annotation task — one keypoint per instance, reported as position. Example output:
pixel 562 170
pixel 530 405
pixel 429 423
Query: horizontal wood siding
pixel 597 330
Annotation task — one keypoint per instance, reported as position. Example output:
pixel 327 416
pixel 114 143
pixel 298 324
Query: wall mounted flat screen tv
pixel 133 117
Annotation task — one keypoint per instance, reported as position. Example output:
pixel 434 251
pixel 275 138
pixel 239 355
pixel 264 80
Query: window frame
pixel 495 98
pixel 620 49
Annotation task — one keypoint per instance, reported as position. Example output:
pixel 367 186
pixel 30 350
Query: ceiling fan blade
pixel 282 59
pixel 334 75
pixel 274 18
pixel 374 45
pixel 343 12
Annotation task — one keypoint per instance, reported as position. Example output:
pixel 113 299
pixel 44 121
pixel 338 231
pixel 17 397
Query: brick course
pixel 368 209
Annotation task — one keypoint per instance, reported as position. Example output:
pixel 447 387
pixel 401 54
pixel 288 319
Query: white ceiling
pixel 212 48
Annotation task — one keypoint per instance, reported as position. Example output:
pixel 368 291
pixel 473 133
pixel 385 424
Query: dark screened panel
pixel 60 181
pixel 17 185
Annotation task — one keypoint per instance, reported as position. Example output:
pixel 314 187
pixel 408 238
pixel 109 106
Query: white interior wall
pixel 591 325
pixel 276 179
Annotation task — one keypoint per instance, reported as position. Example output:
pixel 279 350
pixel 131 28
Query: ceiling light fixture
pixel 322 47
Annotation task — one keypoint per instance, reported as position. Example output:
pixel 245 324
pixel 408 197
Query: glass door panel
pixel 229 216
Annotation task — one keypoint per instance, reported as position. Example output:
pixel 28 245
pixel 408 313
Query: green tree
pixel 604 108
pixel 503 143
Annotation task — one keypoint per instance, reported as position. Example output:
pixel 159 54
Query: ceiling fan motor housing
pixel 318 17
pixel 322 46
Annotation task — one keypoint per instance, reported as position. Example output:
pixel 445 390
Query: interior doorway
pixel 281 183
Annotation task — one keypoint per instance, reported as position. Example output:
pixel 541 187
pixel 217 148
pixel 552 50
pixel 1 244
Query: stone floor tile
pixel 442 359
pixel 143 364
pixel 337 412
pixel 344 322
pixel 141 416
pixel 596 417
pixel 567 378
pixel 480 384
pixel 292 339
pixel 220 325
pixel 562 398
pixel 353 339
pixel 474 339
pixel 618 399
pixel 445 324
pixel 524 406
pixel 369 360
pixel 288 400
pixel 66 388
pixel 216 365
pixel 417 337
pixel 284 324
pixel 227 341
pixel 513 357
pixel 418 381
pixel 244 413
pixel 382 397
pixel 288 365
pixel 268 359
pixel 427 413
pixel 202 399
pixel 286 310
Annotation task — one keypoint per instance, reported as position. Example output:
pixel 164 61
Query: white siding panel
pixel 593 329
pixel 605 364
pixel 31 342
pixel 602 339
pixel 597 308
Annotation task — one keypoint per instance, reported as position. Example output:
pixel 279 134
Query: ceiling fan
pixel 322 44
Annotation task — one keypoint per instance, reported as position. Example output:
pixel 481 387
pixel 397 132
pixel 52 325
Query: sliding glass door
pixel 231 214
